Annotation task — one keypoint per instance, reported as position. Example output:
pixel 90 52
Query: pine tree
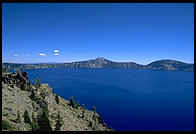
pixel 43 121
pixel 77 105
pixel 58 123
pixel 34 126
pixel 94 111
pixel 43 95
pixel 71 101
pixel 83 108
pixel 29 86
pixel 57 98
pixel 14 82
pixel 37 83
pixel 32 95
pixel 22 86
pixel 26 117
pixel 18 119
pixel 34 123
pixel 94 117
pixel 33 117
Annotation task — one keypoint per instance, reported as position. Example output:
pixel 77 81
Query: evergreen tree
pixel 71 101
pixel 14 82
pixel 37 83
pixel 77 105
pixel 22 86
pixel 32 95
pixel 57 98
pixel 26 117
pixel 58 123
pixel 18 119
pixel 33 117
pixel 43 121
pixel 29 86
pixel 94 111
pixel 34 126
pixel 34 123
pixel 43 95
pixel 83 108
pixel 95 119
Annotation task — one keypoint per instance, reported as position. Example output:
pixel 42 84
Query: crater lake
pixel 128 100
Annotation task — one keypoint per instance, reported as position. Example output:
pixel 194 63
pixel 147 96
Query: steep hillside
pixel 170 65
pixel 18 95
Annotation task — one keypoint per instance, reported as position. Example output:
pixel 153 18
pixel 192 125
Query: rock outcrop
pixel 17 97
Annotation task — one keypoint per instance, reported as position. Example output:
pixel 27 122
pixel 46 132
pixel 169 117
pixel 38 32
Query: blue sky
pixel 136 32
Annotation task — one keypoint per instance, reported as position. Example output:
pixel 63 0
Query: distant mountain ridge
pixel 101 62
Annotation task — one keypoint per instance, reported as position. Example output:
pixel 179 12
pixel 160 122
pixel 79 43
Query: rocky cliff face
pixel 16 98
pixel 101 62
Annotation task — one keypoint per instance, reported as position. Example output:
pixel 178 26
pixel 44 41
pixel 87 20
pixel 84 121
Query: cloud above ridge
pixel 56 51
pixel 42 54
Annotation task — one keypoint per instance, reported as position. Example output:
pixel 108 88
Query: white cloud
pixel 56 54
pixel 56 51
pixel 41 54
pixel 15 55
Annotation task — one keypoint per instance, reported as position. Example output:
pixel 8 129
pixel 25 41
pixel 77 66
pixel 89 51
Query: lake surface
pixel 128 99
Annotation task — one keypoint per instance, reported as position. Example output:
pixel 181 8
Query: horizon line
pixel 55 62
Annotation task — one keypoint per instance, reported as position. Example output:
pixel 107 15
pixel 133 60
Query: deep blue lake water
pixel 128 99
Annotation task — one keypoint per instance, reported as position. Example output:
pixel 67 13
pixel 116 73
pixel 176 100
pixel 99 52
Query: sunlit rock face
pixel 16 98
